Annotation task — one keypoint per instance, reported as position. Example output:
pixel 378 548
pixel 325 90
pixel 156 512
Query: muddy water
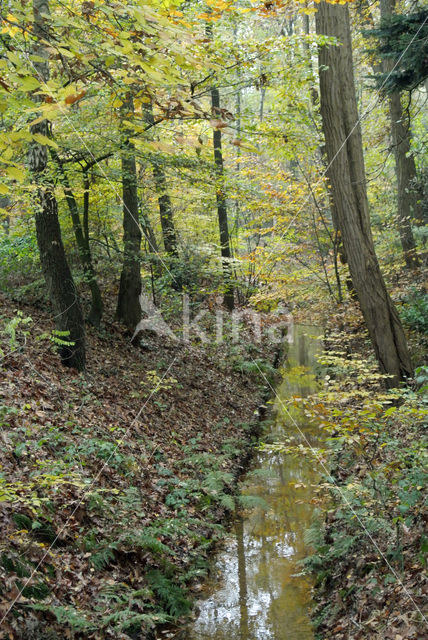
pixel 256 594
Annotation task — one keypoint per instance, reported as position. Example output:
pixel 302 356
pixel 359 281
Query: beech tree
pixel 225 248
pixel 59 280
pixel 81 234
pixel 407 201
pixel 346 173
pixel 128 309
pixel 169 233
pixel 221 202
pixel 128 303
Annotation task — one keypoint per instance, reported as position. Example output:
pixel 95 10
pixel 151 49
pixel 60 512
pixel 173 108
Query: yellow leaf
pixel 7 154
pixel 28 83
pixel 15 173
pixel 38 137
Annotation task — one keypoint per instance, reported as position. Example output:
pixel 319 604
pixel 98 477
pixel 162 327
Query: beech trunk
pixel 405 168
pixel 56 270
pixel 82 242
pixel 128 304
pixel 225 249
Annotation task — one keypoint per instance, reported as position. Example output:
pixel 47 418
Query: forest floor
pixel 113 484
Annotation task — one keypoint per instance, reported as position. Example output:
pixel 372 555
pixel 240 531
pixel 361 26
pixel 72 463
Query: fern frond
pixel 169 593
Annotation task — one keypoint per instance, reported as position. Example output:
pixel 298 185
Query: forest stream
pixel 256 592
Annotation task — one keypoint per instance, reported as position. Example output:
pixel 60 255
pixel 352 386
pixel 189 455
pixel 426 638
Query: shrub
pixel 415 312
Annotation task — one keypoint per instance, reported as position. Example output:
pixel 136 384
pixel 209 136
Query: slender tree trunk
pixel 128 304
pixel 82 242
pixel 86 208
pixel 148 232
pixel 59 280
pixel 226 252
pixel 262 103
pixel 406 180
pixel 5 204
pixel 225 245
pixel 169 233
pixel 404 163
pixel 346 174
pixel 151 248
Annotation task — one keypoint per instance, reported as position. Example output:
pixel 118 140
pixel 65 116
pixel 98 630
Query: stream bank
pixel 114 484
pixel 370 547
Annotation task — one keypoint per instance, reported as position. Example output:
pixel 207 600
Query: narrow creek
pixel 255 593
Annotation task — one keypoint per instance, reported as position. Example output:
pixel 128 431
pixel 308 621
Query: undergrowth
pixel 108 528
pixel 370 549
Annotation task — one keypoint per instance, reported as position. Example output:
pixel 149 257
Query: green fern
pixel 254 367
pixel 68 616
pixel 13 564
pixel 149 539
pixel 227 501
pixel 169 593
pixel 121 592
pixel 130 500
pixel 127 620
pixel 38 591
pixel 314 535
pixel 103 557
pixel 195 572
pixel 215 481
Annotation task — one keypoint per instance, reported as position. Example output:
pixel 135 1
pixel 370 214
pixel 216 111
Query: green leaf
pixel 29 83
pixel 39 137
pixel 15 173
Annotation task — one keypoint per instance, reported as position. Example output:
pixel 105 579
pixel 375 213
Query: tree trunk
pixel 148 232
pixel 5 203
pixel 151 248
pixel 59 280
pixel 404 163
pixel 169 234
pixel 128 304
pixel 82 242
pixel 226 253
pixel 346 174
pixel 225 247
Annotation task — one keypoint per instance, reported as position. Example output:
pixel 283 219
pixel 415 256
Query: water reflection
pixel 257 595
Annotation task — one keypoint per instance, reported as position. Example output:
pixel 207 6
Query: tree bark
pixel 346 173
pixel 407 201
pixel 128 305
pixel 59 280
pixel 5 203
pixel 225 246
pixel 148 232
pixel 225 249
pixel 169 233
pixel 82 241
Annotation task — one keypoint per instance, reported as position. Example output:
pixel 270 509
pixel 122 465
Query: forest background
pixel 183 151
